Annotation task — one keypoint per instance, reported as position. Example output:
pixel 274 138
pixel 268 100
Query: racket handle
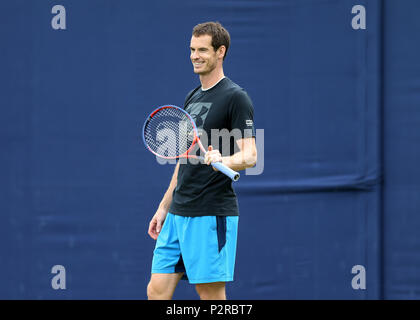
pixel 226 170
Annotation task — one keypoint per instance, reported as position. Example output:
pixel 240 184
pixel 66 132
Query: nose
pixel 194 55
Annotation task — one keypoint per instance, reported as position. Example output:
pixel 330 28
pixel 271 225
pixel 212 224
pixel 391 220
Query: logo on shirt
pixel 248 123
pixel 198 112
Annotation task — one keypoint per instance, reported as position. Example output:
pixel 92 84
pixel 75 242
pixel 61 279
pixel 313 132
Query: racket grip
pixel 226 170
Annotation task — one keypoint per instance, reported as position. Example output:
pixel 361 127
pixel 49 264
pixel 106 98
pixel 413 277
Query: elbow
pixel 252 159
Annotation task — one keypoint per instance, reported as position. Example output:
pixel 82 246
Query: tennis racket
pixel 170 132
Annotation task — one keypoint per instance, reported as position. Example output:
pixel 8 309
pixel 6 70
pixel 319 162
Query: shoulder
pixel 190 94
pixel 236 92
pixel 239 98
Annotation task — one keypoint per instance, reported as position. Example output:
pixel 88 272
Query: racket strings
pixel 169 132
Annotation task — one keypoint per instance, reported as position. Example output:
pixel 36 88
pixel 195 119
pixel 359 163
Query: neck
pixel 210 79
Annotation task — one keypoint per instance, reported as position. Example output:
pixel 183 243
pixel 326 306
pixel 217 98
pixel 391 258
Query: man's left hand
pixel 212 156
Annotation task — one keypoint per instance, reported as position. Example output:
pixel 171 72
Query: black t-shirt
pixel 200 190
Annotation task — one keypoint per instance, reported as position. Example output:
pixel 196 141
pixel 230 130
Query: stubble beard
pixel 207 71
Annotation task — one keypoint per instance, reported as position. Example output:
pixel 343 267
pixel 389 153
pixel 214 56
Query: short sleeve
pixel 242 114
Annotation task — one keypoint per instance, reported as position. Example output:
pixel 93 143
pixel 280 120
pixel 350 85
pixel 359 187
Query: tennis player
pixel 196 223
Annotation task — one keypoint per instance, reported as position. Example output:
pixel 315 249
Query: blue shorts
pixel 204 248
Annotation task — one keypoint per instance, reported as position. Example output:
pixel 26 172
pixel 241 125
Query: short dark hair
pixel 219 35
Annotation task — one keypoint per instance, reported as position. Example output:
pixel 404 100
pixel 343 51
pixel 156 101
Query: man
pixel 197 220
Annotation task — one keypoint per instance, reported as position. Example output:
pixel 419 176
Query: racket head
pixel 170 132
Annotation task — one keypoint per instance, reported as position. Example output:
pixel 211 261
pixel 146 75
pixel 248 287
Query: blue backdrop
pixel 340 112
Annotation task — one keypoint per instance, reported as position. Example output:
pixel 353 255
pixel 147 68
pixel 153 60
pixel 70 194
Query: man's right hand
pixel 156 223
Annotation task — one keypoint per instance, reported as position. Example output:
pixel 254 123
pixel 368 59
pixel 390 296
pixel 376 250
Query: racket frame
pixel 218 165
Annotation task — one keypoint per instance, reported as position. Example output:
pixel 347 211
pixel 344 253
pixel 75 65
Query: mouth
pixel 198 64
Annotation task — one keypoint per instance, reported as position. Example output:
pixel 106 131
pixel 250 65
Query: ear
pixel 221 51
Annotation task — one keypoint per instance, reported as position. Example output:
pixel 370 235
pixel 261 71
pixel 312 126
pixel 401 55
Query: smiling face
pixel 203 56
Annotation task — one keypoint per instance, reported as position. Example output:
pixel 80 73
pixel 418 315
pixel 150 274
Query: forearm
pixel 240 160
pixel 167 198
